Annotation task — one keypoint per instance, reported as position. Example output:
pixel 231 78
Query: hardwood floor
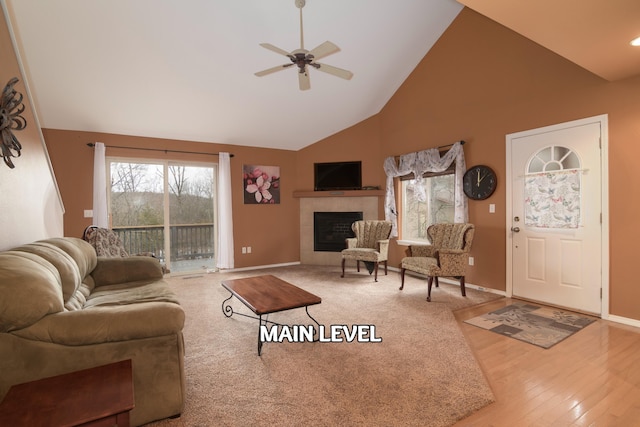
pixel 590 379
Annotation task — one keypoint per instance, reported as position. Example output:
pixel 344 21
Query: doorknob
pixel 515 229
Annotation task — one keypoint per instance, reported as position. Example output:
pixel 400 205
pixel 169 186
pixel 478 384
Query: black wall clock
pixel 479 182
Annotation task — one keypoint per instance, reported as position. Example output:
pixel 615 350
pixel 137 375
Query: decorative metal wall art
pixel 11 108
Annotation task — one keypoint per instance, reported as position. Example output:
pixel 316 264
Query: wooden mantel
pixel 339 193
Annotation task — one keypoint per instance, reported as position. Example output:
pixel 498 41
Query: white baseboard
pixel 456 282
pixel 624 320
pixel 259 267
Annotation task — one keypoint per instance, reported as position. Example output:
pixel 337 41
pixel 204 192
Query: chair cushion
pixel 362 254
pixel 422 265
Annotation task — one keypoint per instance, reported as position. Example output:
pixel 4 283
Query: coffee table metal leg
pixel 260 323
pixel 259 338
pixel 226 307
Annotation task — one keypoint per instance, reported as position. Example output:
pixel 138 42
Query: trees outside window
pixel 165 208
pixel 434 203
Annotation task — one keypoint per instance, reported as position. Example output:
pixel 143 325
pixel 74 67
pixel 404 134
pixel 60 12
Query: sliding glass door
pixel 167 209
pixel 191 217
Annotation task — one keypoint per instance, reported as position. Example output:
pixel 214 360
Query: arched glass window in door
pixel 552 188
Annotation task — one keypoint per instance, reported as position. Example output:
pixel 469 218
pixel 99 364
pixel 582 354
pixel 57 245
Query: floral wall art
pixel 261 184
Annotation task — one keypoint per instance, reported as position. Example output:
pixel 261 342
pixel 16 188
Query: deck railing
pixel 188 242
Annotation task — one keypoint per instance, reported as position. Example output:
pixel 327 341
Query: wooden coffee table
pixel 264 295
pixel 101 396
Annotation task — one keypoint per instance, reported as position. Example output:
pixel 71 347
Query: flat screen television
pixel 338 176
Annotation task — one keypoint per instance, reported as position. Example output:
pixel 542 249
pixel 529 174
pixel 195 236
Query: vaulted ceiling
pixel 185 69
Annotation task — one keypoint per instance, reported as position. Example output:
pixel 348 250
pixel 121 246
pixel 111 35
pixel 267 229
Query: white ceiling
pixel 185 69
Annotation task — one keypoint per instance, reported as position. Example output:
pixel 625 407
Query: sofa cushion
pixel 30 289
pixel 114 271
pixel 108 324
pixel 131 293
pixel 66 266
pixel 82 252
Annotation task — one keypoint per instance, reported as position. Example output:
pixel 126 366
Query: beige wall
pixel 270 230
pixel 479 83
pixel 30 207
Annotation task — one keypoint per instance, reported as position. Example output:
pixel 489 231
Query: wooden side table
pixel 101 396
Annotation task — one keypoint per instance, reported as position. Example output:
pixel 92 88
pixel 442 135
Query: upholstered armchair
pixel 105 241
pixel 370 244
pixel 446 256
pixel 107 244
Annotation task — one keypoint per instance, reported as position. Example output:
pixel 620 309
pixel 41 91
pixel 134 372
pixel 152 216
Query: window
pixel 165 208
pixel 553 189
pixel 421 207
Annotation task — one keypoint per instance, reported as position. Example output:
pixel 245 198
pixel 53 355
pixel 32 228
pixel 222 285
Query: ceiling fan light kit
pixel 303 59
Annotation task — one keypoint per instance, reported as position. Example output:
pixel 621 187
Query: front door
pixel 555 238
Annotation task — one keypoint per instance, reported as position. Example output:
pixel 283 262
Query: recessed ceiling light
pixel 635 42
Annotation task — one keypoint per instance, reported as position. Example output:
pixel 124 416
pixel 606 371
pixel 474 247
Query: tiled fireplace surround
pixel 368 205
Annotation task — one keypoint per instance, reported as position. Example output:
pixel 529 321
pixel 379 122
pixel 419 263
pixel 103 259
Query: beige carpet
pixel 421 374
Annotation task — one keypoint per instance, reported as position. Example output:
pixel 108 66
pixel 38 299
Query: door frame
pixel 604 178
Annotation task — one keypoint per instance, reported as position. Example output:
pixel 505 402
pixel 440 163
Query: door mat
pixel 541 326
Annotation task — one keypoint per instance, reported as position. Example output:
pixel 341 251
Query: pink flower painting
pixel 261 184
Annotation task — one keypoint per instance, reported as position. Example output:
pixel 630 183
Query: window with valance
pixel 425 171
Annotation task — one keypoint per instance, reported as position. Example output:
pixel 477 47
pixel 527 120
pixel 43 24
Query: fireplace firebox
pixel 330 229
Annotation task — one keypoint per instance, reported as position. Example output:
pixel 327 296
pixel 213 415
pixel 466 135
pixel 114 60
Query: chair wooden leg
pixel 437 283
pixel 430 282
pixel 375 269
pixel 402 278
pixel 385 268
pixel 342 267
pixel 462 289
pixel 358 266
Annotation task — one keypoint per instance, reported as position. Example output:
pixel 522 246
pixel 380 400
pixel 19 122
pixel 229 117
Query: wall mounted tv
pixel 338 176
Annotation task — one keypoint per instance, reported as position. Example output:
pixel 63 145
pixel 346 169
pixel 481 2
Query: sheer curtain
pixel 419 163
pixel 100 213
pixel 225 213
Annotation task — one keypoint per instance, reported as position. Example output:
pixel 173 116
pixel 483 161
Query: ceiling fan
pixel 304 59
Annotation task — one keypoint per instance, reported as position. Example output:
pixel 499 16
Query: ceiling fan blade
pixel 272 70
pixel 303 81
pixel 274 49
pixel 325 49
pixel 339 72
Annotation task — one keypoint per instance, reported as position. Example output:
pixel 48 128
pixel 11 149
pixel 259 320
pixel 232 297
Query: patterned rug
pixel 541 326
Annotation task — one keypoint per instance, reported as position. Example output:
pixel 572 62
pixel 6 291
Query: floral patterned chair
pixel 370 245
pixel 108 244
pixel 446 256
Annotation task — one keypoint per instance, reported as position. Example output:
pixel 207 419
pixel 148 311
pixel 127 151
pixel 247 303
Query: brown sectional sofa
pixel 63 309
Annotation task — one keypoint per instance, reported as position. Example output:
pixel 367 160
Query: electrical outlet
pixel 244 250
pixel 88 213
pixel 492 208
pixel 471 260
pixel 248 249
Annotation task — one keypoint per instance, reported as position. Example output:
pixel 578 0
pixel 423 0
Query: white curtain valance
pixel 421 162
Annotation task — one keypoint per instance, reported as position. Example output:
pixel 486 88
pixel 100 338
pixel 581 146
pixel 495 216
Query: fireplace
pixel 330 229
